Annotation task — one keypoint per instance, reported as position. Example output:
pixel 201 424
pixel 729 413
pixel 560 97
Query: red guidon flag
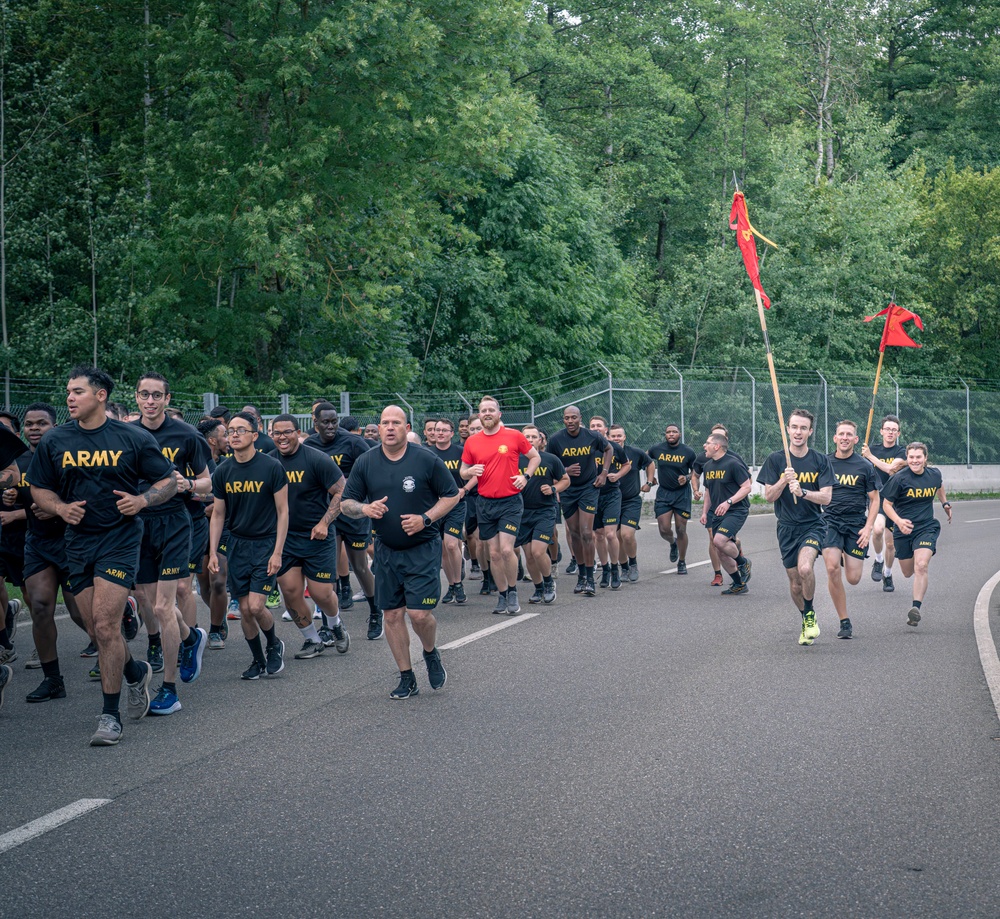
pixel 893 333
pixel 739 221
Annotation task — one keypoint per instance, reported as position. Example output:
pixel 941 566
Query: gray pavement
pixel 655 751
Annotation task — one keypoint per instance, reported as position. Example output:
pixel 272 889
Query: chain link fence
pixel 958 420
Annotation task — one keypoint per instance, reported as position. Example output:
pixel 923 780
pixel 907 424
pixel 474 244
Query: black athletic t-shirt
pixel 185 448
pixel 196 504
pixel 310 475
pixel 671 463
pixel 413 485
pixel 853 478
pixel 912 495
pixel 90 465
pixel 550 470
pixel 630 482
pixel 618 459
pixel 722 478
pixel 344 449
pixel 50 528
pixel 587 449
pixel 452 458
pixel 248 490
pixel 13 533
pixel 887 455
pixel 813 472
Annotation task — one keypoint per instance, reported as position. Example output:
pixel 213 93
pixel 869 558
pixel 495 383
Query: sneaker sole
pixel 913 616
pixel 888 588
pixel 400 698
pixel 308 656
pixel 96 741
pixel 33 698
pixel 176 707
pixel 548 600
pixel 847 635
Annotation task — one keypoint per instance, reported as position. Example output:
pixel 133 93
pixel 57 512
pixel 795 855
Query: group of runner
pixel 123 515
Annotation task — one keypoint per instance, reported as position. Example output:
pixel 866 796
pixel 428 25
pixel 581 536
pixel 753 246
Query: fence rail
pixel 959 422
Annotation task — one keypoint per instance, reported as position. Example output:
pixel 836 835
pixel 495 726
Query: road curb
pixel 984 639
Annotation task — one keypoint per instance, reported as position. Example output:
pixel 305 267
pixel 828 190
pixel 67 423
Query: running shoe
pixel 460 596
pixel 223 630
pixel 95 674
pixel 716 581
pixel 588 588
pixel 571 567
pixel 734 589
pixel 155 657
pixel 877 571
pixel 215 641
pixel 7 655
pixel 513 607
pixel 360 595
pixel 616 580
pixel 803 638
pixel 130 619
pixel 436 674
pixel 887 585
pixel 309 650
pixel 449 596
pixel 341 638
pixel 138 693
pixel 165 703
pixel 10 620
pixel 581 583
pixel 810 626
pixel 633 572
pixel 846 629
pixel 286 616
pixel 190 666
pixel 52 687
pixel 275 658
pixel 326 636
pixel 475 572
pixel 89 651
pixel 273 600
pixel 108 733
pixel 255 671
pixel 501 606
pixel 520 569
pixel 484 590
pixel 744 570
pixel 549 590
pixel 913 616
pixel 682 567
pixel 33 663
pixel 233 610
pixel 407 688
pixel 6 674
pixel 346 597
pixel 674 552
pixel 537 596
pixel 375 626
pixel 605 576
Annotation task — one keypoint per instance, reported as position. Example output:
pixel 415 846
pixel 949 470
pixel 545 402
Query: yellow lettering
pixel 171 453
pixel 849 480
pixel 920 492
pixel 542 470
pixel 576 451
pixel 115 573
pixel 715 475
pixel 295 477
pixel 808 477
pixel 87 459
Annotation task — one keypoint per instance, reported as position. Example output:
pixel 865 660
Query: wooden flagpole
pixel 774 380
pixel 871 411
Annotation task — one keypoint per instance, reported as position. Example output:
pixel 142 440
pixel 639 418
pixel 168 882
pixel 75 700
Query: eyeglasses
pixel 155 396
pixel 277 435
pixel 240 432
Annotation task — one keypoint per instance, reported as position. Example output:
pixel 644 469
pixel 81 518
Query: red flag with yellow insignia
pixel 893 333
pixel 739 221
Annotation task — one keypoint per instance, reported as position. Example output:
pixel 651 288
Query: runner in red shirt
pixel 492 456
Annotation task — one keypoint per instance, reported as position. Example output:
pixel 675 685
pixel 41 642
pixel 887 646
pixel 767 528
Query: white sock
pixel 879 557
pixel 887 571
pixel 309 633
pixel 333 620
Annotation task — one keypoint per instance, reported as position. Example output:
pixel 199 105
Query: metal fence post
pixel 680 376
pixel 468 404
pixel 409 407
pixel 611 397
pixel 753 416
pixel 826 414
pixel 532 401
pixel 968 427
pixel 209 400
pixel 284 397
pixel 345 403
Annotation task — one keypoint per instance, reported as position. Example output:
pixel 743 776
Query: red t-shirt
pixel 498 453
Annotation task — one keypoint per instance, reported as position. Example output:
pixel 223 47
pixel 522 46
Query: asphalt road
pixel 655 751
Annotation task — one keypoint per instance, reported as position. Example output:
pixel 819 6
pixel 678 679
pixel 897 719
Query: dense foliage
pixel 311 196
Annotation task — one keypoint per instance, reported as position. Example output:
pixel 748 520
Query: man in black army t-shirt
pixel 251 503
pixel 887 457
pixel 315 484
pixel 674 464
pixel 405 491
pixel 632 493
pixel 89 472
pixel 799 493
pixel 727 484
pixel 609 509
pixel 452 526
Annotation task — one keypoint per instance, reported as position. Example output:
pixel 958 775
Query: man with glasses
pixel 888 458
pixel 251 502
pixel 213 584
pixel 315 484
pixel 89 472
pixel 164 577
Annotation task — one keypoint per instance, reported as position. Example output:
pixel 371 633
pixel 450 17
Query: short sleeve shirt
pixel 498 453
pixel 248 490
pixel 310 476
pixel 586 448
pixel 853 478
pixel 550 470
pixel 813 472
pixel 724 477
pixel 912 495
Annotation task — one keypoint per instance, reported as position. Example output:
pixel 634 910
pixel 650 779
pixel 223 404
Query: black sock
pixel 917 603
pixel 4 638
pixel 133 670
pixel 737 579
pixel 345 582
pixel 271 635
pixel 51 669
pixel 154 639
pixel 631 560
pixel 538 586
pixel 740 559
pixel 371 604
pixel 256 650
pixel 807 605
pixel 111 702
pixel 170 687
pixel 718 571
pixel 191 639
pixel 408 675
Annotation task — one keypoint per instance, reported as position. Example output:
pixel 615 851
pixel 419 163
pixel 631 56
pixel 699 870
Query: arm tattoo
pixel 351 508
pixel 162 491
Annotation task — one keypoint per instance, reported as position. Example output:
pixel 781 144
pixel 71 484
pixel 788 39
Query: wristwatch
pixel 426 520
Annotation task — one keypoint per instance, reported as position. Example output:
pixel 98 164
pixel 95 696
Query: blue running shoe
pixel 191 656
pixel 165 703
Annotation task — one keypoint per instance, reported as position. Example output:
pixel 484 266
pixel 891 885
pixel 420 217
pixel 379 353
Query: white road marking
pixel 506 624
pixel 707 561
pixel 984 639
pixel 982 520
pixel 49 822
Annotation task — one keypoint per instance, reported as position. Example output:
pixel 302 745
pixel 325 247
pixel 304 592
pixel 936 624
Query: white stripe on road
pixel 707 561
pixel 982 520
pixel 49 822
pixel 506 624
pixel 984 639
